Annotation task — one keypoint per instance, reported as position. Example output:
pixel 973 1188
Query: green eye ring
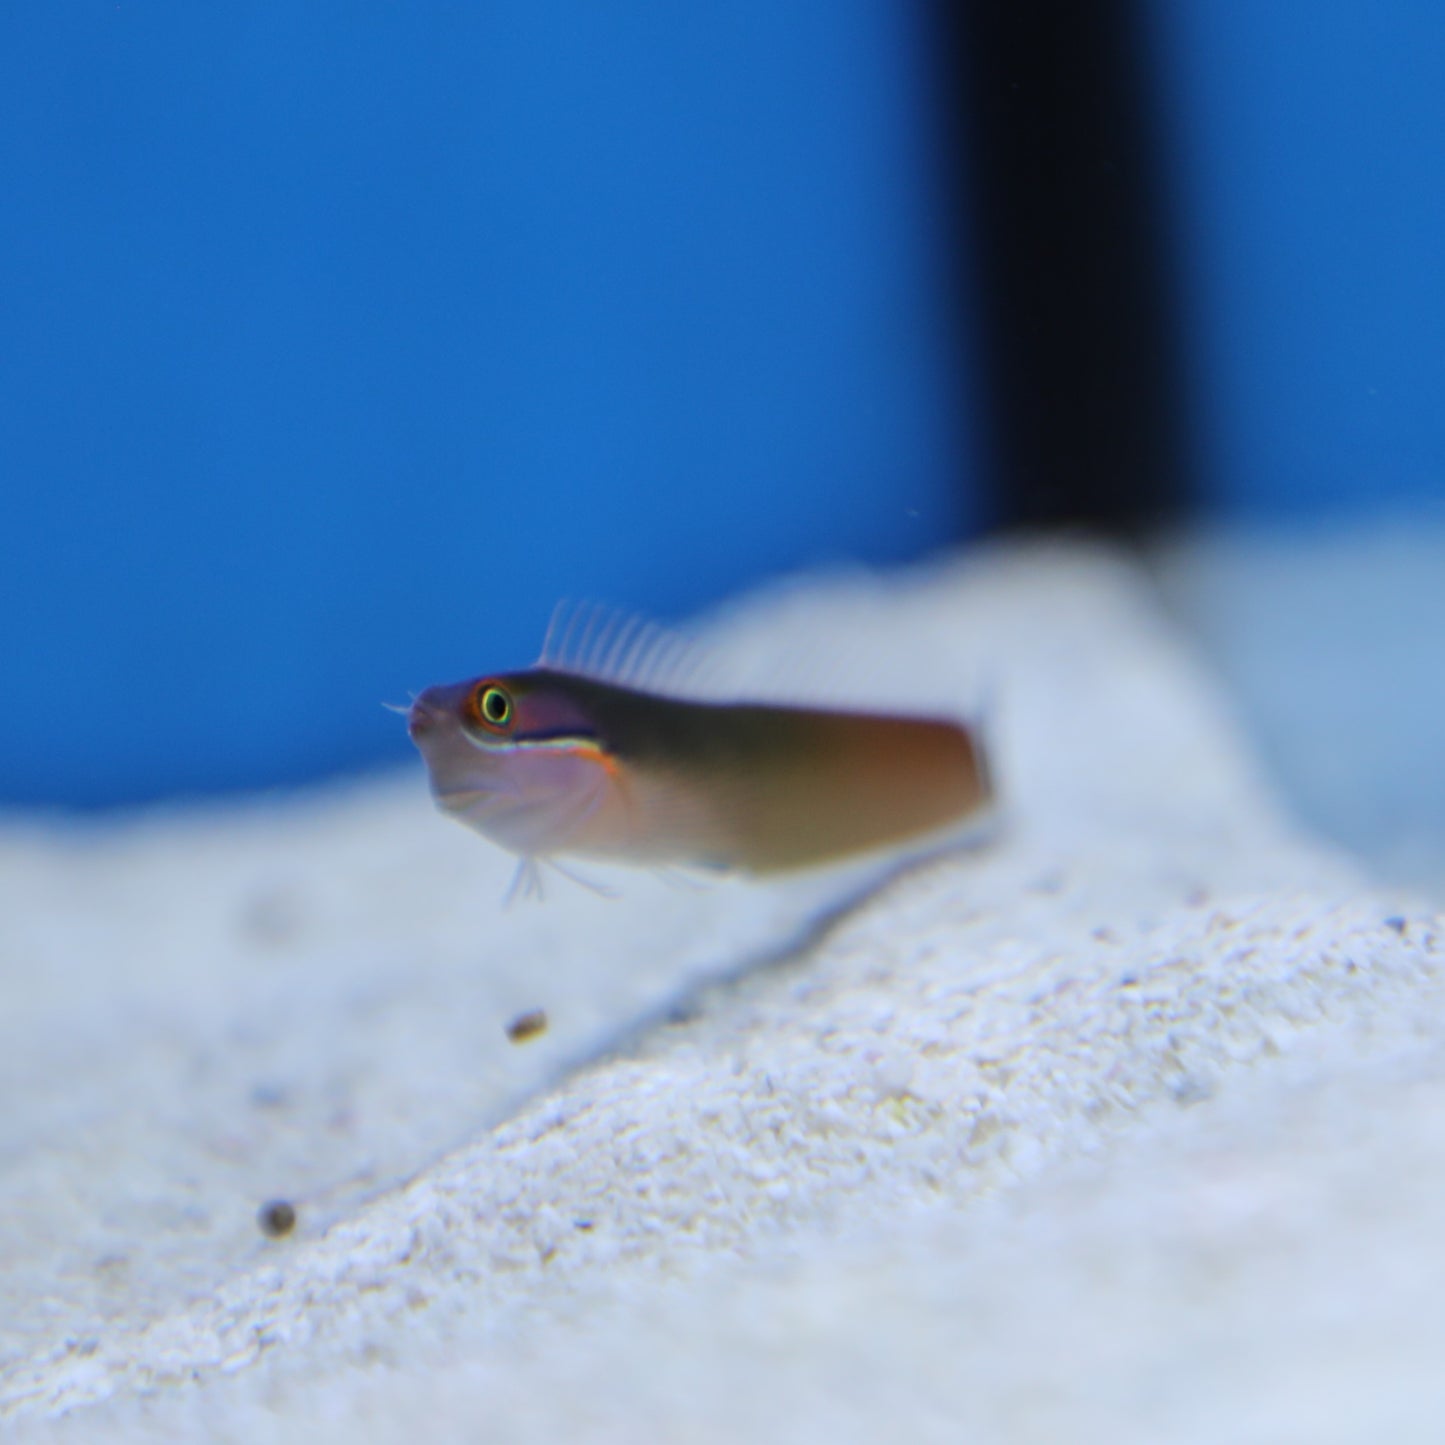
pixel 492 707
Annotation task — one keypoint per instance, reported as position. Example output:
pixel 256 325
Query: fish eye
pixel 493 705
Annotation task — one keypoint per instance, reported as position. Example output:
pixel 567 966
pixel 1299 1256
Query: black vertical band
pixel 1054 156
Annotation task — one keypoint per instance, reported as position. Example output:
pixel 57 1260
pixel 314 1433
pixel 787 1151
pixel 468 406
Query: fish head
pixel 513 755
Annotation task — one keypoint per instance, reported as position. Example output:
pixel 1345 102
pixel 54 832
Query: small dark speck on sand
pixel 269 1096
pixel 1397 923
pixel 527 1026
pixel 277 1218
pixel 272 917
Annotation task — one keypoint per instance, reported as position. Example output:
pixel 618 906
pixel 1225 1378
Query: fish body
pixel 550 763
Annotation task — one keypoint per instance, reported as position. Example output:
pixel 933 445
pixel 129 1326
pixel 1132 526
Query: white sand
pixel 1128 1127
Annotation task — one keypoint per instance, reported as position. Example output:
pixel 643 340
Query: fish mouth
pixel 421 719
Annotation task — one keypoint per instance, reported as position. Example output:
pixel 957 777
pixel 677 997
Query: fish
pixel 557 762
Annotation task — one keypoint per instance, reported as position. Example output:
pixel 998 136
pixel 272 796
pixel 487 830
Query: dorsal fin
pixel 609 645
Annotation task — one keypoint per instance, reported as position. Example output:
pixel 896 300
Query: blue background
pixel 340 340
pixel 1305 142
